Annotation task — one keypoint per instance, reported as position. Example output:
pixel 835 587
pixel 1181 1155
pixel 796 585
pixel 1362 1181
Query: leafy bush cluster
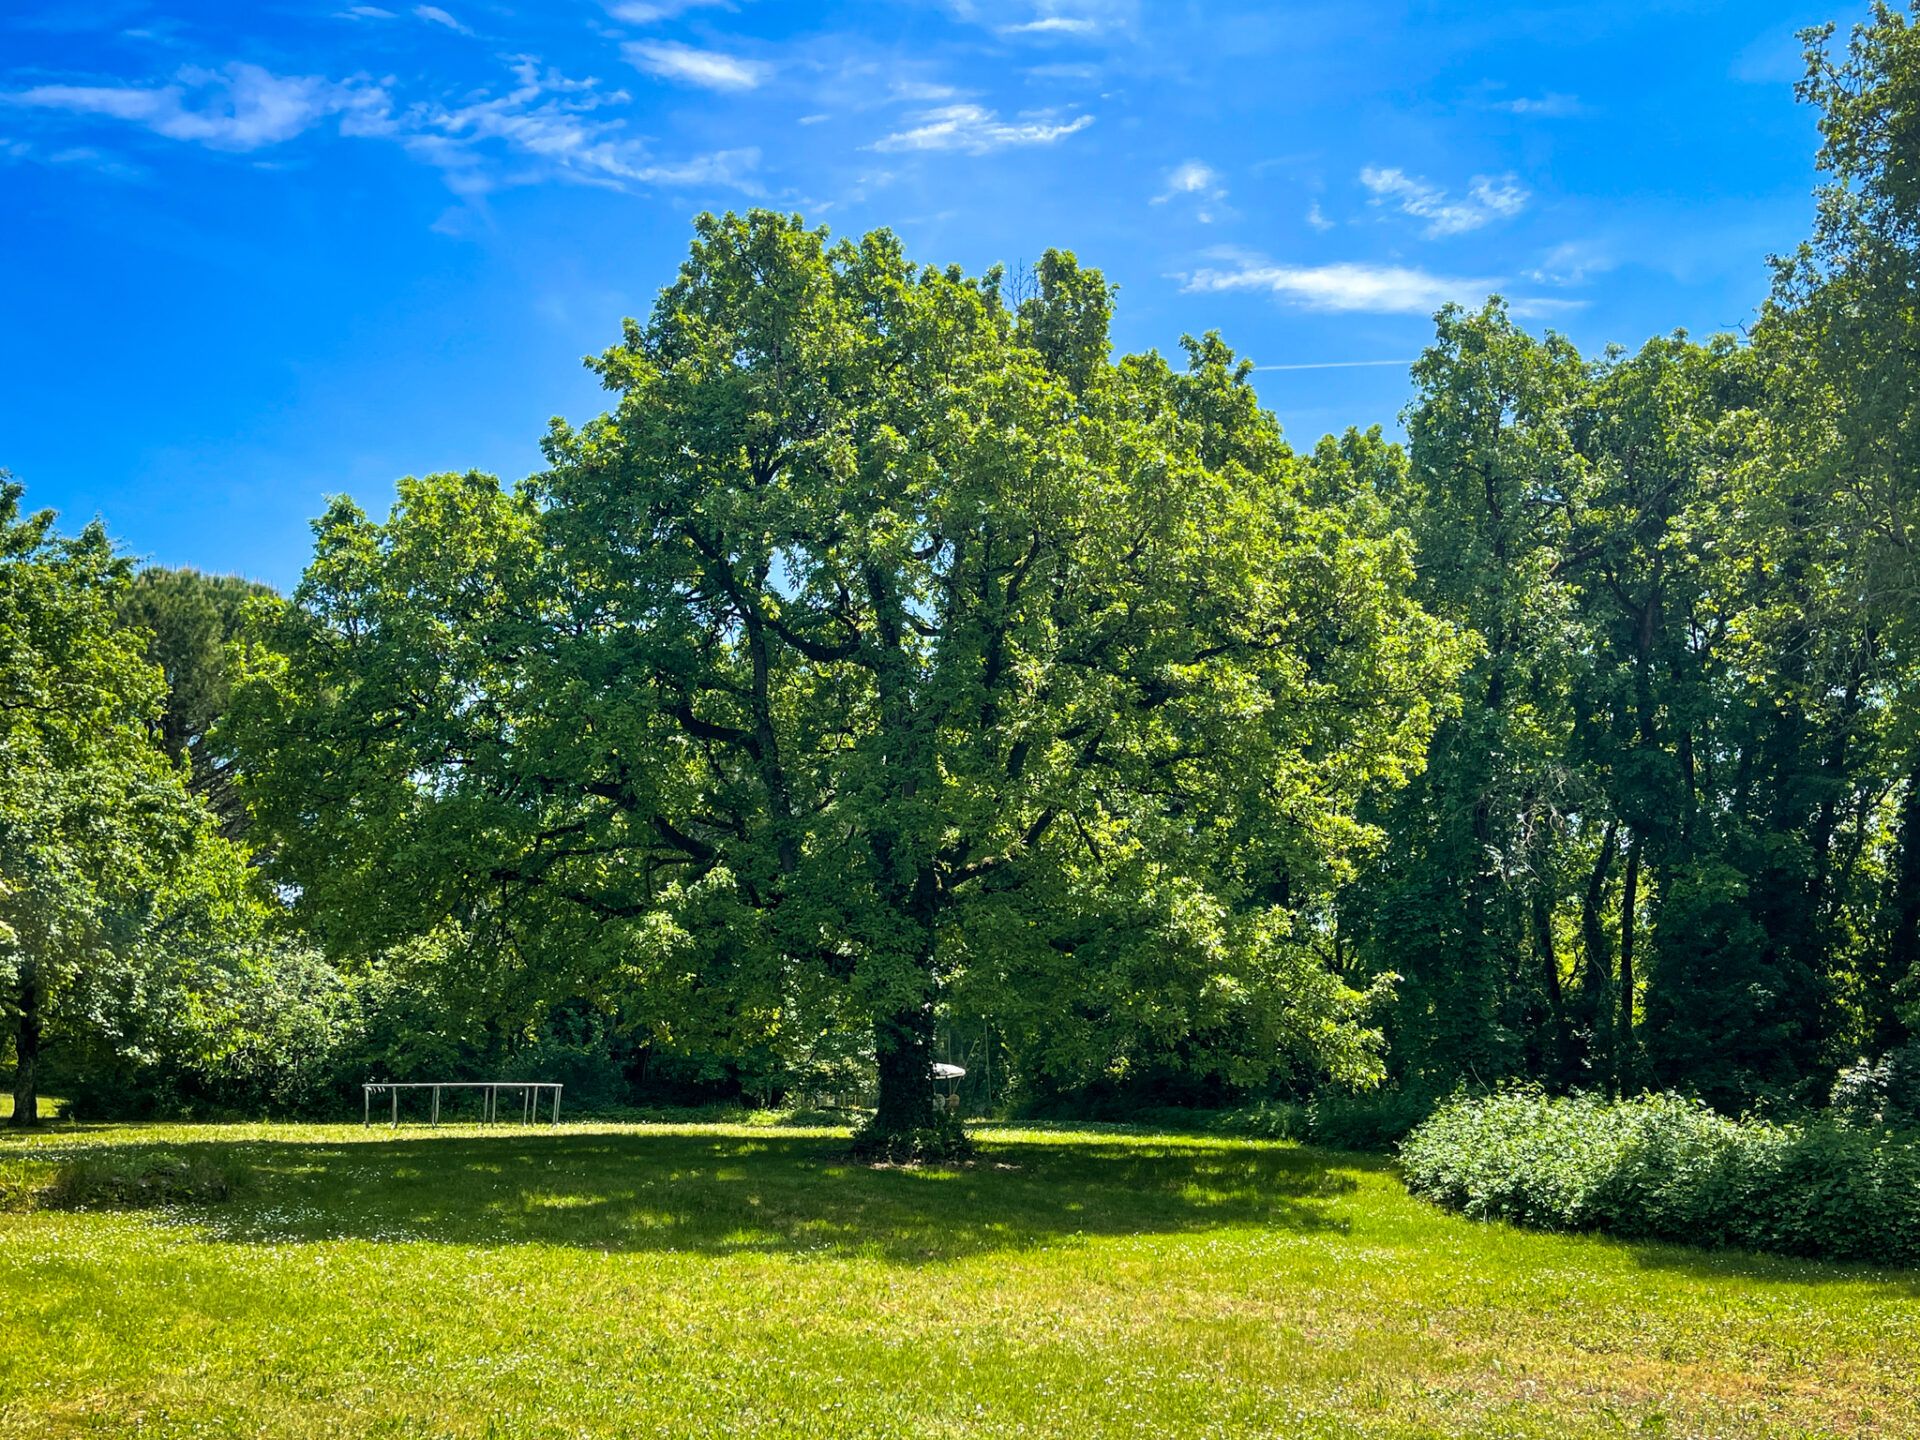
pixel 1662 1167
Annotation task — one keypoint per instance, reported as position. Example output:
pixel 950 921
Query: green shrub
pixel 1375 1121
pixel 1664 1168
pixel 1262 1120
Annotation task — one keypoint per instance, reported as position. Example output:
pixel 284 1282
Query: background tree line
pixel 1673 836
pixel 892 657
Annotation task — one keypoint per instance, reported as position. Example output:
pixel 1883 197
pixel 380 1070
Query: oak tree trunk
pixel 903 1054
pixel 910 1121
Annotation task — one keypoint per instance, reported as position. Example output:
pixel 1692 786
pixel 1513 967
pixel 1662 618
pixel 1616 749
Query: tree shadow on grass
pixel 1726 1265
pixel 625 1191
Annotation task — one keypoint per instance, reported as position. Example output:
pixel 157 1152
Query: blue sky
pixel 253 255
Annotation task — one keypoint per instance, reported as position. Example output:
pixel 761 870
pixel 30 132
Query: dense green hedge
pixel 1660 1167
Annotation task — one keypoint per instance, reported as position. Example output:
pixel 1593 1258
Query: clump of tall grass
pixel 128 1179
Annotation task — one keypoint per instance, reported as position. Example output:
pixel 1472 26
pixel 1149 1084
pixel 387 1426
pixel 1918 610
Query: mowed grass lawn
pixel 689 1281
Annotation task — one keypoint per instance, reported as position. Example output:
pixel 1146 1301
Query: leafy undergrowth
pixel 595 1280
pixel 1665 1168
pixel 1341 1122
pixel 1375 1121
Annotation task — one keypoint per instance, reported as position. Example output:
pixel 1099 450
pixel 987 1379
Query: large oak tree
pixel 883 628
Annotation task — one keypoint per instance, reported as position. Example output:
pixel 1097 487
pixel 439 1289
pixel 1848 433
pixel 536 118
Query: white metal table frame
pixel 530 1097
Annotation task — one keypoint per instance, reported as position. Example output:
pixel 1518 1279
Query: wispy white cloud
pixel 1191 177
pixel 1500 195
pixel 708 69
pixel 1543 307
pixel 549 118
pixel 169 34
pixel 1550 106
pixel 242 107
pixel 366 12
pixel 1571 263
pixel 646 12
pixel 1199 182
pixel 1344 286
pixel 78 157
pixel 922 91
pixel 1317 218
pixel 1053 25
pixel 543 126
pixel 1063 71
pixel 1489 197
pixel 434 15
pixel 98 161
pixel 974 130
pixel 733 169
pixel 1049 19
